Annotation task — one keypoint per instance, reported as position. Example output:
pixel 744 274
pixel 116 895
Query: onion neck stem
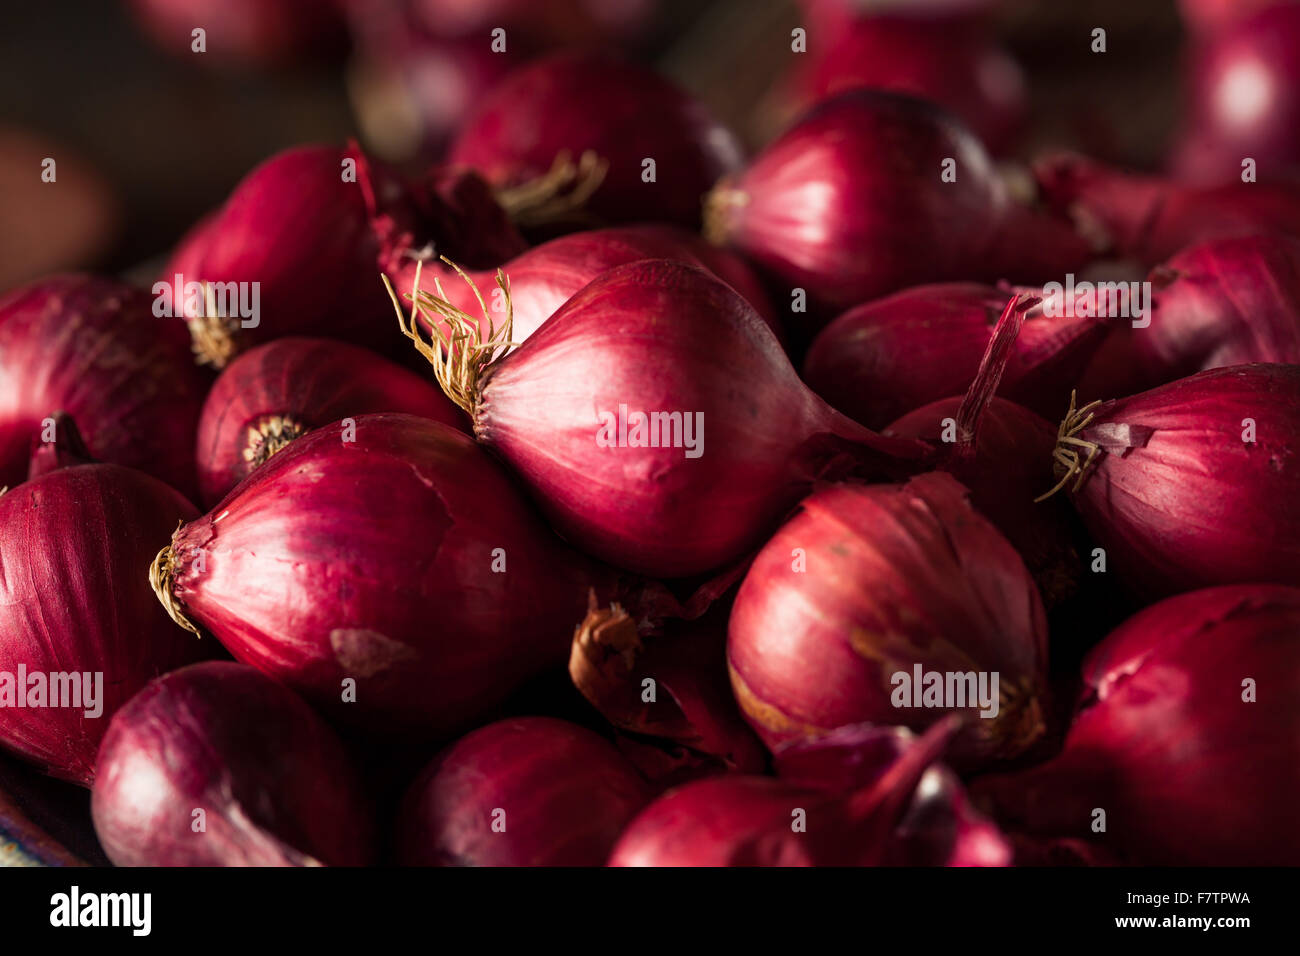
pixel 558 194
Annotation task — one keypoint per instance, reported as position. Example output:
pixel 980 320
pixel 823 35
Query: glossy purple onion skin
pixel 1005 474
pixel 665 336
pixel 1179 500
pixel 91 347
pixel 311 382
pixel 372 560
pixel 74 596
pixel 566 794
pixel 867 362
pixel 1242 83
pixel 1189 773
pixel 273 781
pixel 894 576
pixel 624 113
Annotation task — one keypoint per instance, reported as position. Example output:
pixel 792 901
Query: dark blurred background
pixel 147 140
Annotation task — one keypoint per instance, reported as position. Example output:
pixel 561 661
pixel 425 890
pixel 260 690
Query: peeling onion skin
pixel 864 363
pixel 1193 504
pixel 623 113
pixel 566 794
pixel 1005 475
pixel 275 784
pixel 658 335
pixel 372 560
pixel 895 575
pixel 92 348
pixel 307 383
pixel 74 546
pixel 1189 774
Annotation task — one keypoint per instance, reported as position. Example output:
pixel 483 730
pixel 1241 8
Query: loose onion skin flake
pixel 222 745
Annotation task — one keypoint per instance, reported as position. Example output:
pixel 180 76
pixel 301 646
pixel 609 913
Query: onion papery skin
pixel 624 114
pixel 865 363
pixel 372 559
pixel 1176 496
pixel 290 386
pixel 1243 101
pixel 1188 772
pixel 663 336
pixel 952 62
pixel 1005 473
pixel 275 784
pixel 562 794
pixel 92 348
pixel 849 205
pixel 895 576
pixel 74 544
pixel 548 275
pixel 1148 218
pixel 940 828
pixel 263 33
pixel 1219 303
pixel 316 245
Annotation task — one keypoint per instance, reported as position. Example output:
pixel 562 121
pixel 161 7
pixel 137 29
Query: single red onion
pixel 531 791
pixel 547 276
pixel 737 820
pixel 296 249
pixel 954 62
pixel 570 411
pixel 870 582
pixel 1244 98
pixel 73 600
pixel 849 204
pixel 1185 738
pixel 217 765
pixel 568 137
pixel 1194 483
pixel 65 448
pixel 90 347
pixel 888 357
pixel 940 828
pixel 388 570
pixel 1005 473
pixel 685 721
pixel 245 32
pixel 278 392
pixel 1148 218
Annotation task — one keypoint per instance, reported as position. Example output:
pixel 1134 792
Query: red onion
pixel 260 32
pixel 849 204
pixel 1209 16
pixel 737 820
pixel 547 276
pixel 595 115
pixel 395 555
pixel 870 582
pixel 277 392
pixel 569 408
pixel 692 725
pixel 1004 473
pixel 530 791
pixel 1148 218
pixel 888 357
pixel 304 247
pixel 1243 81
pixel 74 601
pixel 65 449
pixel 217 765
pixel 950 61
pixel 1193 765
pixel 91 348
pixel 939 829
pixel 1192 484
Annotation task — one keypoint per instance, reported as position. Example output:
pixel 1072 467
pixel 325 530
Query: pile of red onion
pixel 565 489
